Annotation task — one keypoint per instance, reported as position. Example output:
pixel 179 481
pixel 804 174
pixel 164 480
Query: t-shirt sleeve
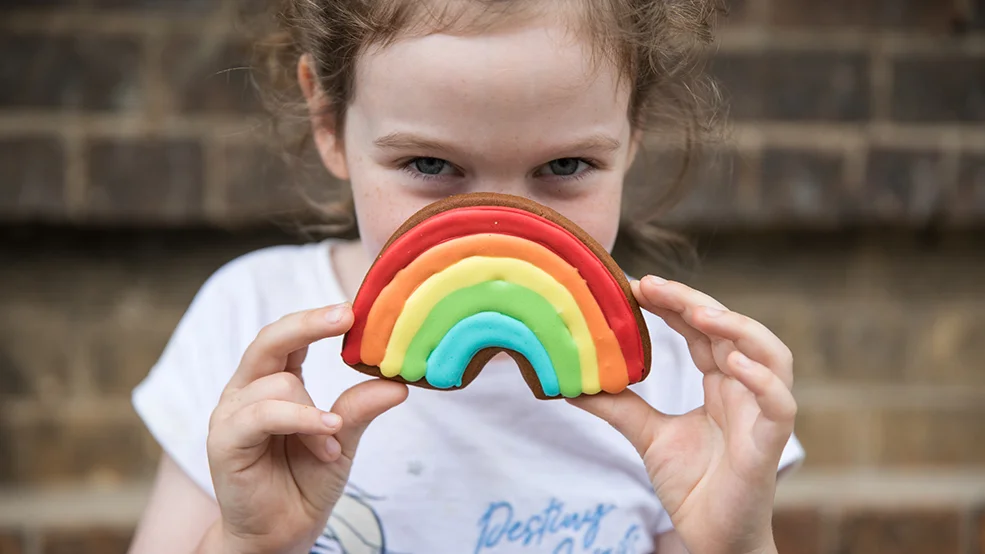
pixel 176 399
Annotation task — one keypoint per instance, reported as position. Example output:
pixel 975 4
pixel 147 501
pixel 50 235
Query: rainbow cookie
pixel 477 274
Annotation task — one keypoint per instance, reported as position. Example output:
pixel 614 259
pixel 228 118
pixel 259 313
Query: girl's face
pixel 524 111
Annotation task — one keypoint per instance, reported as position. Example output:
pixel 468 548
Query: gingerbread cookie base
pixel 565 312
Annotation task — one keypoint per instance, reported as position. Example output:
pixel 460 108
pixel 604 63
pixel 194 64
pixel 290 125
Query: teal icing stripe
pixel 446 364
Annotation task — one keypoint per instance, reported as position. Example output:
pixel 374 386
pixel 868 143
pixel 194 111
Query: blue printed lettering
pixel 576 530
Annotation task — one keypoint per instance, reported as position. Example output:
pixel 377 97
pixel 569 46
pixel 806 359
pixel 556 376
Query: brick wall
pixel 847 213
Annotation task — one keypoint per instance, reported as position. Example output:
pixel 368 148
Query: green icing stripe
pixel 510 299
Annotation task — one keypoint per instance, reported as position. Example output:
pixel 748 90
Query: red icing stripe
pixel 461 222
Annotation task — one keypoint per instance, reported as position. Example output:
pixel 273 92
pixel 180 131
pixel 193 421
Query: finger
pixel 360 405
pixel 775 400
pixel 286 387
pixel 628 413
pixel 253 424
pixel 721 349
pixel 279 386
pixel 272 347
pixel 749 336
pixel 294 361
pixel 674 296
pixel 697 342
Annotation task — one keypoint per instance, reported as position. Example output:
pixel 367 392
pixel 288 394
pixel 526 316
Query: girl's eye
pixel 564 167
pixel 430 166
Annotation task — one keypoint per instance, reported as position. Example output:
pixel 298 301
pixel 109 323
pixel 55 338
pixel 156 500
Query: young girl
pixel 271 444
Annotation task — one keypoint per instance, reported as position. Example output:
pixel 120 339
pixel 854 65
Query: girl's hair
pixel 659 47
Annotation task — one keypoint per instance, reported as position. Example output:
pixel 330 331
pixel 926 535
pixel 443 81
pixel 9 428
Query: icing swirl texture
pixel 480 278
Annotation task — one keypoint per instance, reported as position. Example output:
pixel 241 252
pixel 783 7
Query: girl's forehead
pixel 530 76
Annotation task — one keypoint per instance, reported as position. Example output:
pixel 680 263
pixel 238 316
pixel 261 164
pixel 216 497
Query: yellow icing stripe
pixel 479 269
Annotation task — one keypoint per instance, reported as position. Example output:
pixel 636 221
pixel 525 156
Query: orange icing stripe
pixel 613 375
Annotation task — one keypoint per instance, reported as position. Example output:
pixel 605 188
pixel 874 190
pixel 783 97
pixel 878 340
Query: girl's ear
pixel 330 146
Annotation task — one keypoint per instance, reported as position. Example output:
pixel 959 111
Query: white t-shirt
pixel 485 469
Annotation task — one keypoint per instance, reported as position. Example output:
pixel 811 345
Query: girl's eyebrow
pixel 407 141
pixel 595 142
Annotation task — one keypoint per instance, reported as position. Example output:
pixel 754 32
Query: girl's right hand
pixel 278 463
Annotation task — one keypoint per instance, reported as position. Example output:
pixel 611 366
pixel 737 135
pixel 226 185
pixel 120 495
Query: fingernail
pixel 654 280
pixel 332 447
pixel 713 312
pixel 335 314
pixel 741 360
pixel 331 420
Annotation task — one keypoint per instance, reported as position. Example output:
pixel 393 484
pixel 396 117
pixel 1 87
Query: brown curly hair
pixel 659 46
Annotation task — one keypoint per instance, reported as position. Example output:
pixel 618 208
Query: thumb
pixel 628 413
pixel 360 405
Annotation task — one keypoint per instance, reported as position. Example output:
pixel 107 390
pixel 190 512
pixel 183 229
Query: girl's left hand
pixel 714 468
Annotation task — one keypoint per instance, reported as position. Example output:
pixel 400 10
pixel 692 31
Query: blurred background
pixel 849 217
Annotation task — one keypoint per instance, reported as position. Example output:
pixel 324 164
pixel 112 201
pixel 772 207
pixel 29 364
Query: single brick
pixel 11 542
pixel 791 320
pixel 31 364
pixel 797 531
pixel 32 170
pixel 968 204
pixel 89 73
pixel 128 341
pixel 902 532
pixel 886 261
pixel 86 541
pixel 801 185
pixel 949 339
pixel 832 438
pixel 902 186
pixel 794 85
pixel 871 345
pixel 924 438
pixel 259 184
pixel 939 86
pixel 212 75
pixel 145 180
pixel 78 452
pixel 928 15
pixel 708 190
pixel 811 270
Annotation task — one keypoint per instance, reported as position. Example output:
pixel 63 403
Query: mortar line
pixel 881 82
pixel 830 529
pixel 950 168
pixel 746 134
pixel 156 92
pixel 104 24
pixel 890 397
pixel 76 170
pixel 216 198
pixel 92 409
pixel 32 540
pixel 965 529
pixel 856 161
pixel 750 38
pixel 868 438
